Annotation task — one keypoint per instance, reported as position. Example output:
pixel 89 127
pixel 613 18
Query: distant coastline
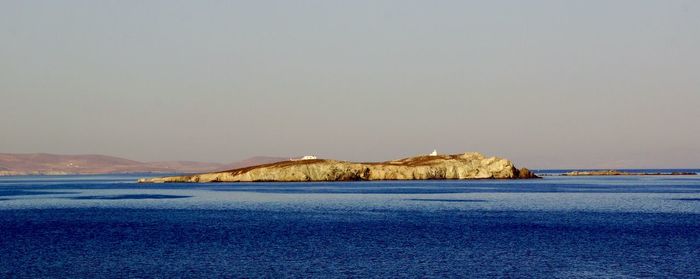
pixel 617 172
pixel 60 173
pixel 14 164
pixel 42 164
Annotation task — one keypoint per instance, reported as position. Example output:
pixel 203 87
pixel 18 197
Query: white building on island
pixel 434 153
pixel 309 157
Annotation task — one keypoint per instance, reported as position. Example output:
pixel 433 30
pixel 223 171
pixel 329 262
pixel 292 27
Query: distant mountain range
pixel 52 164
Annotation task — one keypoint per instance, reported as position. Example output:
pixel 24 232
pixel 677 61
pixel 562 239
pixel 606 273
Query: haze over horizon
pixel 547 84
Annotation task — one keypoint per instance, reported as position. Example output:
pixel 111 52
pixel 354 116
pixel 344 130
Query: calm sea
pixel 560 227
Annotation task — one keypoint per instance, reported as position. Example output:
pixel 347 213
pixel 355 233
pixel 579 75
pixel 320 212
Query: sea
pixel 108 226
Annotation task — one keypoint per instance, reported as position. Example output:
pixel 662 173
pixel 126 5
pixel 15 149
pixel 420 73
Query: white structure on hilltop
pixel 309 157
pixel 434 152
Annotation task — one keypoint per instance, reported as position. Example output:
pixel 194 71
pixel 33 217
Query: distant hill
pixel 52 164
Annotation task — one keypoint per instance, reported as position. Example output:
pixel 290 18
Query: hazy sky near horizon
pixel 569 84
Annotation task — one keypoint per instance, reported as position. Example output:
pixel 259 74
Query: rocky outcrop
pixel 460 166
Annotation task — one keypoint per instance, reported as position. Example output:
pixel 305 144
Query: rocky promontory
pixel 460 166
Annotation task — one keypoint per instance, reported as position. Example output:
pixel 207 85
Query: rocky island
pixel 459 166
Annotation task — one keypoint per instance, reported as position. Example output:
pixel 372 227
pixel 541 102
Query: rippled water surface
pixel 109 226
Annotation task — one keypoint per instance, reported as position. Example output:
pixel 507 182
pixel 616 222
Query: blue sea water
pixel 556 227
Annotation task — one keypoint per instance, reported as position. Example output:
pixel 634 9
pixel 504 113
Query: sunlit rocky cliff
pixel 460 166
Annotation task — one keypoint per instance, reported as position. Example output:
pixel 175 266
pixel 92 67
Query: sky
pixel 547 84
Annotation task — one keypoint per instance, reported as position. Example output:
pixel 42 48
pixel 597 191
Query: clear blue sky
pixel 545 83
